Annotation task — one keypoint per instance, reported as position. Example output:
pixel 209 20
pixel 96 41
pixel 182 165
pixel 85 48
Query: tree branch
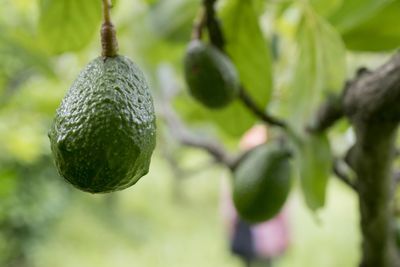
pixel 375 96
pixel 343 176
pixel 327 114
pixel 371 102
pixel 217 39
pixel 252 106
pixel 214 29
pixel 186 137
pixel 198 25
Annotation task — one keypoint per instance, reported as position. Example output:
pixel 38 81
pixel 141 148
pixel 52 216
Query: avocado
pixel 104 131
pixel 261 182
pixel 210 75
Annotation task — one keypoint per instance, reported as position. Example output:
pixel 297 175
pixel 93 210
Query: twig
pixel 342 176
pixel 252 106
pixel 106 11
pixel 186 137
pixel 328 113
pixel 109 42
pixel 198 25
pixel 218 40
pixel 213 26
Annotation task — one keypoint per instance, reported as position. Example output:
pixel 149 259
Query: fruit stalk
pixel 217 39
pixel 109 41
pixel 198 25
pixel 214 29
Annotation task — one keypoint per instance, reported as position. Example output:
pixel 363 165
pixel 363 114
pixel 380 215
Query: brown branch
pixel 344 177
pixel 214 28
pixel 186 137
pixel 371 103
pixel 328 113
pixel 198 25
pixel 375 96
pixel 252 106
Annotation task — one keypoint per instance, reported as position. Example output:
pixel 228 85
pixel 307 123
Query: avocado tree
pixel 291 65
pixel 369 103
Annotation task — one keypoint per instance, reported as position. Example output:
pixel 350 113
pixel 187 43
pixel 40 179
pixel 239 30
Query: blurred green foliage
pixel 320 67
pixel 32 198
pixel 45 43
pixel 315 164
pixel 67 25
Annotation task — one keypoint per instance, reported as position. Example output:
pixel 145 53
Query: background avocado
pixel 210 75
pixel 261 182
pixel 103 135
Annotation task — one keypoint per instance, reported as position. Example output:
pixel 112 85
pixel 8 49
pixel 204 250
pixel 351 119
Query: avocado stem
pixel 213 26
pixel 199 24
pixel 109 41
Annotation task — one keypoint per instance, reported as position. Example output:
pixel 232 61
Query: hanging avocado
pixel 210 75
pixel 104 132
pixel 261 182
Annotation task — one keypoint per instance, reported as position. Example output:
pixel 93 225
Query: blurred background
pixel 173 216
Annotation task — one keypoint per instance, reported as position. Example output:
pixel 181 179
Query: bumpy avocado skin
pixel 211 77
pixel 104 132
pixel 262 182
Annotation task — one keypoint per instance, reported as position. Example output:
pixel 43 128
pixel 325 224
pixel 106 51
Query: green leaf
pixel 248 48
pixel 320 68
pixel 20 59
pixel 353 12
pixel 233 120
pixel 379 33
pixel 173 19
pixel 17 52
pixel 8 182
pixel 315 164
pixel 68 25
pixel 326 8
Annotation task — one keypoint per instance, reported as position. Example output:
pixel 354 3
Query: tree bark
pixel 372 159
pixel 372 103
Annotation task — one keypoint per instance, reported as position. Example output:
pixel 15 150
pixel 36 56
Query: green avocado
pixel 104 132
pixel 210 75
pixel 261 182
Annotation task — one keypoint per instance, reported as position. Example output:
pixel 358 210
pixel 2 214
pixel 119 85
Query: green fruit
pixel 210 75
pixel 103 135
pixel 261 182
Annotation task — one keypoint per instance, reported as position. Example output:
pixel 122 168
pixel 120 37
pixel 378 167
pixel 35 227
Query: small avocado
pixel 104 132
pixel 210 75
pixel 261 182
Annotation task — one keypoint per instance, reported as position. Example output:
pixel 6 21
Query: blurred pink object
pixel 254 137
pixel 270 238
